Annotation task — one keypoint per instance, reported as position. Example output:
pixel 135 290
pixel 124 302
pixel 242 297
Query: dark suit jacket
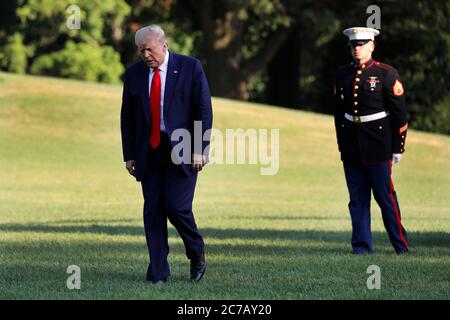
pixel 186 99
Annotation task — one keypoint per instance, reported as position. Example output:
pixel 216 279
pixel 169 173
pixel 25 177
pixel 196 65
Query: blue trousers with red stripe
pixel 361 181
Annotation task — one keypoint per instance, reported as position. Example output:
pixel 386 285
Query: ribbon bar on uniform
pixel 371 117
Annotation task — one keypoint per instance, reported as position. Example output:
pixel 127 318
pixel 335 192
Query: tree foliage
pixel 88 53
pixel 81 61
pixel 13 55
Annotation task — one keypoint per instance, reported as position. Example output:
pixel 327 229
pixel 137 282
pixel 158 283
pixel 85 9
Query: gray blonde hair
pixel 153 30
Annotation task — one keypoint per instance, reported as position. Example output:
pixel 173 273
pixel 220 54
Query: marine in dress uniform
pixel 371 127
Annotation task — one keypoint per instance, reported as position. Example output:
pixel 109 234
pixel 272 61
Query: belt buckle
pixel 357 119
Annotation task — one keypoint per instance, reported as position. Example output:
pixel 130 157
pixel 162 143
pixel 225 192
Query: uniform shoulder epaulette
pixel 383 65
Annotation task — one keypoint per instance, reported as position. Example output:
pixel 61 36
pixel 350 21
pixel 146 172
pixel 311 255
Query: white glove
pixel 396 157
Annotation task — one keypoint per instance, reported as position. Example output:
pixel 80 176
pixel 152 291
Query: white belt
pixel 371 117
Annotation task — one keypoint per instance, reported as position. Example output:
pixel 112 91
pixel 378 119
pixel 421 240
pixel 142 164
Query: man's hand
pixel 198 162
pixel 396 157
pixel 129 165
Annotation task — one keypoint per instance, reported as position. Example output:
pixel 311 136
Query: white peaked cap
pixel 360 33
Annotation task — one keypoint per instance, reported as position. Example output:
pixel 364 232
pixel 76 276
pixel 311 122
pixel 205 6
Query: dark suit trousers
pixel 168 193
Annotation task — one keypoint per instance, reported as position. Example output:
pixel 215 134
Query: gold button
pixel 401 150
pixel 363 66
pixel 356 87
pixel 402 143
pixel 356 103
pixel 380 127
pixel 359 72
pixel 357 79
pixel 342 126
pixel 372 89
pixel 356 94
pixel 403 137
pixel 356 111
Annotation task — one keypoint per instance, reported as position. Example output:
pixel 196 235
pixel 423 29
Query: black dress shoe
pixel 198 268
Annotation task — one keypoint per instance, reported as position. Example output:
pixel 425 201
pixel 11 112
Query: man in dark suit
pixel 162 93
pixel 371 126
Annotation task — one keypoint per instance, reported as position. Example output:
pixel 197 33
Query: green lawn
pixel 65 198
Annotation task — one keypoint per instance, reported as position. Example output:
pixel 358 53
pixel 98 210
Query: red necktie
pixel 155 109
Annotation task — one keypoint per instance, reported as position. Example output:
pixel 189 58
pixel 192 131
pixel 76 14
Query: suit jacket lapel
pixel 145 91
pixel 171 81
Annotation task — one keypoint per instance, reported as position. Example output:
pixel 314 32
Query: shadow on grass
pixel 417 239
pixel 300 218
pixel 116 269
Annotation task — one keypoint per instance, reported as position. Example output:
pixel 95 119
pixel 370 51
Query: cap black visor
pixel 354 43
